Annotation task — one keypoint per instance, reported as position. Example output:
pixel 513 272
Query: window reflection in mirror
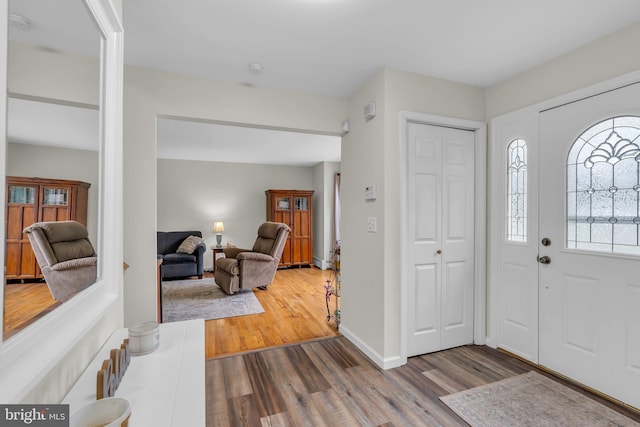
pixel 53 148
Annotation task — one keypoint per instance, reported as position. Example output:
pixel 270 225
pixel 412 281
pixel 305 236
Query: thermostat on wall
pixel 370 192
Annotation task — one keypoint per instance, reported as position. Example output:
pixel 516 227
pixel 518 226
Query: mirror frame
pixel 30 355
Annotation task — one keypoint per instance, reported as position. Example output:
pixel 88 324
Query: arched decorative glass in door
pixel 603 188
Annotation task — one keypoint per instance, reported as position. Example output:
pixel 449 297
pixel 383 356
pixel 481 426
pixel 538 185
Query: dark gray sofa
pixel 178 265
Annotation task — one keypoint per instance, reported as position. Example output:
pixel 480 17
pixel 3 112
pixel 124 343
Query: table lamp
pixel 218 228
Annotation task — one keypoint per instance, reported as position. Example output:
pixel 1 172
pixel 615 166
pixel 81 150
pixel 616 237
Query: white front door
pixel 589 288
pixel 441 236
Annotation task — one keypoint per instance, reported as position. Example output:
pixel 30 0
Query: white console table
pixel 165 388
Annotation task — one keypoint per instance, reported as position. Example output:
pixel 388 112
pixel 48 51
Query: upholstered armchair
pixel 65 255
pixel 256 267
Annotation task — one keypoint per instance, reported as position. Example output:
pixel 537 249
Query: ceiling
pixel 333 46
pixel 329 47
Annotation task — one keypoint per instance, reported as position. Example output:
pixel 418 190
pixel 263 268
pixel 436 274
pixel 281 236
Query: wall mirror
pixel 42 357
pixel 53 142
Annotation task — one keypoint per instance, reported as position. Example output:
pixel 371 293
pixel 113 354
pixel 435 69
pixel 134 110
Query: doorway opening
pixel 209 172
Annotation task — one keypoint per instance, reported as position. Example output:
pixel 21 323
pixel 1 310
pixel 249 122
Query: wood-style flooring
pixel 24 303
pixel 309 375
pixel 331 383
pixel 294 311
pixel 294 306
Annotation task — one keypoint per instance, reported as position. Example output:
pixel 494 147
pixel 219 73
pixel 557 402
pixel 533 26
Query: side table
pixel 216 250
pixel 166 388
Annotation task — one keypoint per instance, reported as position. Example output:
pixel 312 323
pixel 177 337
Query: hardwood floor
pixel 295 311
pixel 331 383
pixel 25 303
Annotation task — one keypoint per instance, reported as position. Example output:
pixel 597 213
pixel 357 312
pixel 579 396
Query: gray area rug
pixel 203 299
pixel 531 399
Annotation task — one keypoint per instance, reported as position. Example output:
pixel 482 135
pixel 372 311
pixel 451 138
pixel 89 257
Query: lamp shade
pixel 218 227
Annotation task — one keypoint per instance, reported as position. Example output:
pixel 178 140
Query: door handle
pixel 544 260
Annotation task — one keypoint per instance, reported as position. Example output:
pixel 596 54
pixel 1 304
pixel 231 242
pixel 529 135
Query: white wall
pixel 323 206
pixel 194 194
pixel 150 93
pixel 59 163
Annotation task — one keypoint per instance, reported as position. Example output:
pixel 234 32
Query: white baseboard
pixel 321 263
pixel 383 363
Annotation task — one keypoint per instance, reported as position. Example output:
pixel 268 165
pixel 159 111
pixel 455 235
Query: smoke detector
pixel 255 68
pixel 19 22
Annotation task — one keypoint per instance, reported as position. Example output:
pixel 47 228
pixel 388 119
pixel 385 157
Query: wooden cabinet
pixel 32 200
pixel 294 208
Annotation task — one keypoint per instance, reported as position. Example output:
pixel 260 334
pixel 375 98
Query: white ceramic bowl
pixel 107 412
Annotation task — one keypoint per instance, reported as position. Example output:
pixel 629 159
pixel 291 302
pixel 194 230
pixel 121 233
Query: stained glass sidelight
pixel 603 188
pixel 517 191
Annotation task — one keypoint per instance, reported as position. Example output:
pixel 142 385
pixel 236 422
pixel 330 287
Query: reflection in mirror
pixel 53 151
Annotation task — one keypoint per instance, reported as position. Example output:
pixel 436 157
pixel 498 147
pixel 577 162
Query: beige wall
pixel 60 163
pixel 609 57
pixel 48 74
pixel 151 93
pixel 362 254
pixel 371 155
pixel 194 194
pixel 422 94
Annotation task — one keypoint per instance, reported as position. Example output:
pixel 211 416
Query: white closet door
pixel 441 235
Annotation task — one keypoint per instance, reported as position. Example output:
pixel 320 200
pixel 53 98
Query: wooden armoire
pixel 32 200
pixel 294 208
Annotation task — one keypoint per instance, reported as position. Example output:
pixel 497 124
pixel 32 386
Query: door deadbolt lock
pixel 546 241
pixel 544 260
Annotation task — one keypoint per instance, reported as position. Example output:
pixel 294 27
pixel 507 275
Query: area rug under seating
pixel 531 399
pixel 203 299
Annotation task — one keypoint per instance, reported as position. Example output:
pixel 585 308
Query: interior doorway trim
pixel 479 305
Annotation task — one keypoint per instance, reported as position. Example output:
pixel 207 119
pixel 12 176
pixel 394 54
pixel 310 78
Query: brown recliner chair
pixel 253 268
pixel 66 257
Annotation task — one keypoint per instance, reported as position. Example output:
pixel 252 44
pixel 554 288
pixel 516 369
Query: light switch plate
pixel 372 224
